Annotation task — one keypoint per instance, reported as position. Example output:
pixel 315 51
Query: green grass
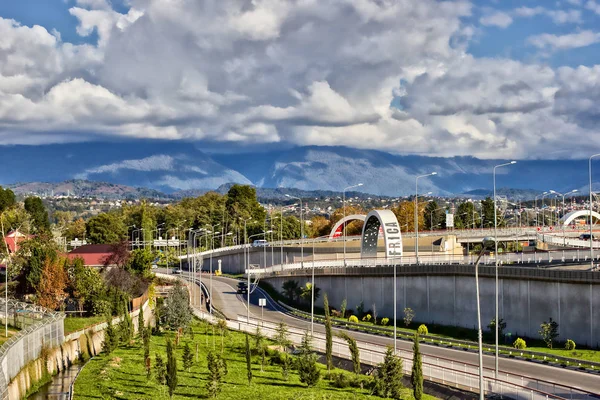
pixel 74 324
pixel 121 375
pixel 11 331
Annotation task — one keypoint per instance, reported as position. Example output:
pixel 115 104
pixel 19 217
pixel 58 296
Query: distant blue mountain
pixel 182 166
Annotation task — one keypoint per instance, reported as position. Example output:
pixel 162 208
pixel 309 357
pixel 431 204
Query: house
pixel 13 239
pixel 93 255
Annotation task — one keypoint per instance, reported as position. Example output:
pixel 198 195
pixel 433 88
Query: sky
pixel 490 79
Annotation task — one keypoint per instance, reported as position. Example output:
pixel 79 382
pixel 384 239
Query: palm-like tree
pixel 306 292
pixel 291 290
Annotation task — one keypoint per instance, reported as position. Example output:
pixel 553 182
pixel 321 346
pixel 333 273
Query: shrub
pixel 367 318
pixel 520 344
pixel 570 345
pixel 385 321
pixel 340 380
pixel 423 330
pixel 353 319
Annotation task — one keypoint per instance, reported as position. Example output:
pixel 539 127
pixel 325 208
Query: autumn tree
pixel 53 282
pixel 405 212
pixel 75 230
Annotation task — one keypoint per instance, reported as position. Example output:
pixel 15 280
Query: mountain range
pixel 182 168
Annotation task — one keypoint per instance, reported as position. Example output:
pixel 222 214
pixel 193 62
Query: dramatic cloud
pixel 152 163
pixel 392 75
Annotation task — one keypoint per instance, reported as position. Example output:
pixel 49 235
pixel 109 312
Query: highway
pixel 233 305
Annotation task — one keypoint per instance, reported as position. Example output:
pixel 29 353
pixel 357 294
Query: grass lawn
pixel 11 331
pixel 122 375
pixel 74 324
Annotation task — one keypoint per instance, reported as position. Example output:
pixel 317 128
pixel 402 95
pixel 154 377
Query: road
pixel 231 304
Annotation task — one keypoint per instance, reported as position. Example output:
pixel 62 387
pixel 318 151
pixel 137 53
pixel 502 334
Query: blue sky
pixel 470 78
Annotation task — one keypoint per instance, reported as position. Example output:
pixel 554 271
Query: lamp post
pixel 486 242
pixel 301 230
pixel 344 209
pixel 496 257
pixel 248 275
pixel 431 218
pixel 417 213
pixel 543 210
pixel 211 270
pixel 591 210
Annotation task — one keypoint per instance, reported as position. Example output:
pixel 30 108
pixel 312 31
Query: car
pixel 178 271
pixel 586 236
pixel 260 243
pixel 154 266
pixel 242 287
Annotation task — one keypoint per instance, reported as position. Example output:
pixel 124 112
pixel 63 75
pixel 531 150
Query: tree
pixel 291 290
pixel 308 371
pixel 549 331
pixel 433 216
pixel 119 255
pixel 160 371
pixel 222 325
pixel 306 293
pixel 328 335
pixel 388 383
pixel 35 207
pixel 111 338
pixel 30 260
pixel 282 336
pixel 141 261
pixel 319 226
pixel 374 311
pixel 125 326
pixel 105 228
pixel 343 308
pixel 141 324
pixel 409 314
pixel 260 346
pixel 85 284
pixel 488 212
pixel 146 339
pixel 75 230
pixel 248 360
pixel 188 357
pixel 7 199
pixel 171 368
pixel 354 352
pixel 176 312
pixel 53 282
pixel 466 217
pixel 501 326
pixel 416 377
pixel 217 369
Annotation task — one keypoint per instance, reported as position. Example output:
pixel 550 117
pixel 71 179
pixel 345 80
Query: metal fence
pixel 445 371
pixel 41 329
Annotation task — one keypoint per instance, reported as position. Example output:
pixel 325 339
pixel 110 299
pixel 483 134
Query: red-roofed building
pixel 93 255
pixel 13 239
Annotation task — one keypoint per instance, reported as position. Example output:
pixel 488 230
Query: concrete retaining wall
pixel 450 300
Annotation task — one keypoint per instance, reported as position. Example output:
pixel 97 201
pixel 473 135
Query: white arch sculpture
pixel 570 217
pixel 392 235
pixel 339 226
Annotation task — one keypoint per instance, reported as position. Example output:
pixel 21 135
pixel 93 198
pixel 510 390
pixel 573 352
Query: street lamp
pixel 344 208
pixel 485 243
pixel 563 212
pixel 211 270
pixel 417 213
pixel 591 210
pixel 496 256
pixel 301 230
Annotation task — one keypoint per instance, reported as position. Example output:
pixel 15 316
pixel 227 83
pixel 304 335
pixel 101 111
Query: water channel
pixel 58 388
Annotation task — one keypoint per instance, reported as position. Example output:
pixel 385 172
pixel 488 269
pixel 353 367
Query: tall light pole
pixel 301 230
pixel 248 275
pixel 344 208
pixel 591 210
pixel 544 211
pixel 563 212
pixel 496 258
pixel 211 270
pixel 417 213
pixel 484 244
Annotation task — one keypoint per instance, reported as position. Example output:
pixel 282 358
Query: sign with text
pixel 449 220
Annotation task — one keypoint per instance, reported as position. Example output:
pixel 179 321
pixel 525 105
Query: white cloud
pixel 497 18
pixel 594 6
pixel 300 71
pixel 557 16
pixel 564 42
pixel 152 163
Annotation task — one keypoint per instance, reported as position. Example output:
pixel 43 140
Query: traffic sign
pixel 262 302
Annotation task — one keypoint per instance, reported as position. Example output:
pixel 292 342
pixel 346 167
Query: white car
pixel 260 243
pixel 178 271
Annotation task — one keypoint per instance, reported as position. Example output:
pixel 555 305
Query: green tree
pixel 147 333
pixel 549 331
pixel 260 346
pixel 416 376
pixel 282 336
pixel 7 199
pixel 171 368
pixel 125 326
pixel 35 207
pixel 388 383
pixel 501 326
pixel 222 325
pixel 409 314
pixel 308 371
pixel 466 217
pixel 160 370
pixel 105 228
pixel 354 352
pixel 248 360
pixel 141 325
pixel 30 259
pixel 176 312
pixel 111 337
pixel 433 216
pixel 306 293
pixel 291 290
pixel 85 285
pixel 141 261
pixel 75 230
pixel 328 335
pixel 343 308
pixel 488 212
pixel 188 357
pixel 217 370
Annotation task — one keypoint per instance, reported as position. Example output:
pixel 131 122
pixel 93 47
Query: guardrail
pixel 26 345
